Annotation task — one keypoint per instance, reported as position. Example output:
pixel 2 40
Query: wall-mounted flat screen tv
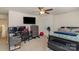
pixel 29 20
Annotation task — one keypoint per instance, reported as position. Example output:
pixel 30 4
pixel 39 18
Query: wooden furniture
pixel 60 44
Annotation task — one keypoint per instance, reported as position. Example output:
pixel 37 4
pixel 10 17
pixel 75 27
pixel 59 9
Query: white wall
pixel 66 19
pixel 54 21
pixel 16 19
pixel 44 21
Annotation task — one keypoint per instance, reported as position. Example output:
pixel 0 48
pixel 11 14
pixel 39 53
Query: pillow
pixel 64 30
pixel 67 33
pixel 75 30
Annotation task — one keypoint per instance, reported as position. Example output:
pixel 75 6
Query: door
pixel 3 35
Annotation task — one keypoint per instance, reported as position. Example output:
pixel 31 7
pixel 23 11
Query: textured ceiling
pixel 35 11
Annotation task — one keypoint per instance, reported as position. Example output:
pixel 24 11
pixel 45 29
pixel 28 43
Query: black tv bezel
pixel 31 22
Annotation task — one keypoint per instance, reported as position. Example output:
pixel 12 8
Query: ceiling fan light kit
pixel 44 11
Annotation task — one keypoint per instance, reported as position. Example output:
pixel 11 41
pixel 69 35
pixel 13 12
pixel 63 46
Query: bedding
pixel 67 33
pixel 67 36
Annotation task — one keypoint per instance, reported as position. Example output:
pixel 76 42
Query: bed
pixel 64 40
pixel 66 35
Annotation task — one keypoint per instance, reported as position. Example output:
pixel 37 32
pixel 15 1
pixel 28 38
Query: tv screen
pixel 29 20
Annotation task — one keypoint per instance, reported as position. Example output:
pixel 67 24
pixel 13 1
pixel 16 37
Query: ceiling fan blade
pixel 49 10
pixel 40 8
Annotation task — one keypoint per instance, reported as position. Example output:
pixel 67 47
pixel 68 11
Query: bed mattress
pixel 67 37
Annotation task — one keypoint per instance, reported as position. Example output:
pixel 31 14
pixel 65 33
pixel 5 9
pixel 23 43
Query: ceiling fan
pixel 44 11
